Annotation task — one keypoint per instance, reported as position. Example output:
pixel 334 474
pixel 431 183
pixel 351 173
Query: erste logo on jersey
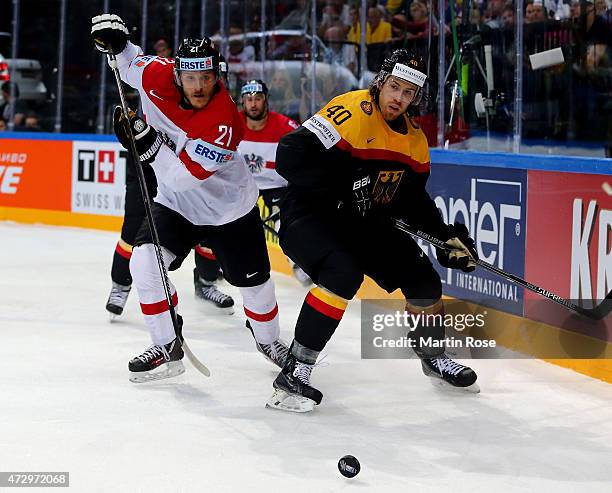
pixel 212 153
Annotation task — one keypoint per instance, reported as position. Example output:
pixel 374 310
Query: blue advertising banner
pixel 492 203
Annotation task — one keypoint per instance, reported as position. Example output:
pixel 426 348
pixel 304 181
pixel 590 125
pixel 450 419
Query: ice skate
pixel 448 373
pixel 275 353
pixel 117 299
pixel 292 389
pixel 303 278
pixel 208 291
pixel 157 362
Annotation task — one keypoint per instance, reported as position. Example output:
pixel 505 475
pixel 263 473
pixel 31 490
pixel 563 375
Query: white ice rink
pixel 66 403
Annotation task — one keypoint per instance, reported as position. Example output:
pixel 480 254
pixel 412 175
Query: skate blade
pixel 210 308
pixel 442 384
pixel 166 370
pixel 270 360
pixel 283 401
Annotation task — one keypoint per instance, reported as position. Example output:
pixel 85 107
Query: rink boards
pixel 546 219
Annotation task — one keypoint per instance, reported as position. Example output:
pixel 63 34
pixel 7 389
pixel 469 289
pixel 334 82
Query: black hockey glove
pixel 109 33
pixel 148 140
pixel 361 200
pixel 463 255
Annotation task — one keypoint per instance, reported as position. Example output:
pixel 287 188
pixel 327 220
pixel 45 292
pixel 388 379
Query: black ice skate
pixel 117 299
pixel 292 389
pixel 448 372
pixel 157 362
pixel 275 353
pixel 207 291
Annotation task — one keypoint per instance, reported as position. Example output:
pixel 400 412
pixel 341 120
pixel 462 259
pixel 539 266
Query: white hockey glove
pixel 109 33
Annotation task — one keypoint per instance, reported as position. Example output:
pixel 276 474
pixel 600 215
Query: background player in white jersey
pixel 205 192
pixel 263 130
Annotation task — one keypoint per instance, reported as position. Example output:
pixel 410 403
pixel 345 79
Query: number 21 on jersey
pixel 225 136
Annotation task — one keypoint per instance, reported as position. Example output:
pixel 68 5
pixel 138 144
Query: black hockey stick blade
pixel 596 313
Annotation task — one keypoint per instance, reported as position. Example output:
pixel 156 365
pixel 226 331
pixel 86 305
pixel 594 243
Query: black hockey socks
pixel 319 317
pixel 206 263
pixel 120 271
pixel 428 331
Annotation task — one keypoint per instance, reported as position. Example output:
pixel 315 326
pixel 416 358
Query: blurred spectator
pixel 395 6
pixel 534 12
pixel 162 48
pixel 601 8
pixel 597 29
pixel 476 17
pixel 354 32
pixel 417 28
pixel 297 18
pixel 282 96
pixel 340 52
pixel 399 23
pixel 332 17
pixel 31 124
pixel 238 52
pixel 493 13
pixel 17 104
pixel 377 30
pixel 289 48
pixel 507 17
pixel 558 9
pixel 575 10
pixel 2 125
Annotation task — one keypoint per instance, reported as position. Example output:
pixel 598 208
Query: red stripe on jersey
pixel 159 307
pixel 323 308
pixel 383 155
pixel 270 165
pixel 205 253
pixel 122 252
pixel 262 317
pixel 194 168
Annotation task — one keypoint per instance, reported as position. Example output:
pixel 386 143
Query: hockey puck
pixel 349 466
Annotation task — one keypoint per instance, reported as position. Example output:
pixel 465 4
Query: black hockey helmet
pixel 196 54
pixel 404 65
pixel 254 86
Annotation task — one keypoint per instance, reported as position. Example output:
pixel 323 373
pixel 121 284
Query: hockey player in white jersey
pixel 189 136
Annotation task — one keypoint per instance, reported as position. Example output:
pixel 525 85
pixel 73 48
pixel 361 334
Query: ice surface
pixel 66 403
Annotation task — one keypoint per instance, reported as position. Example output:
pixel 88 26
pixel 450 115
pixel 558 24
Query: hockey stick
pixel 112 59
pixel 597 313
pixel 271 217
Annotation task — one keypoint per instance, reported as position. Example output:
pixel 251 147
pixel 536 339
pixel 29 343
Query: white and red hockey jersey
pixel 258 147
pixel 204 179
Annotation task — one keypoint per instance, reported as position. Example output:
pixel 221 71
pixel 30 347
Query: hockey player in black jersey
pixel 352 168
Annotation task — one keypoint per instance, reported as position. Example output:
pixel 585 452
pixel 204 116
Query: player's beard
pixel 260 116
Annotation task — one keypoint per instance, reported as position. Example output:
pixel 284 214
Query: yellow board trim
pixel 60 218
pixel 511 331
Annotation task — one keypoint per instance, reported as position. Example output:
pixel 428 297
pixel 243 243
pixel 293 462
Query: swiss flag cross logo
pixel 106 166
